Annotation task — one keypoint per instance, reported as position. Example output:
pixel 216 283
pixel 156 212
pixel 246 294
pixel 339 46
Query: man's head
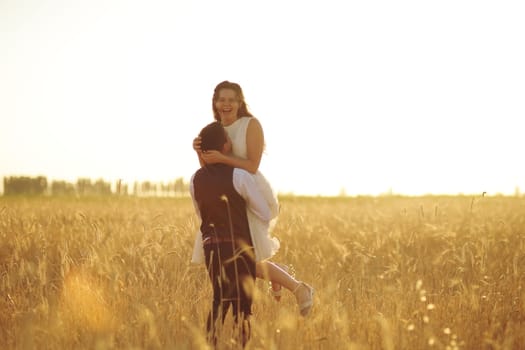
pixel 214 137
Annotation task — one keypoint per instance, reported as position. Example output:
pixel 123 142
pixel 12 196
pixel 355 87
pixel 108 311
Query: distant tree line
pixel 25 185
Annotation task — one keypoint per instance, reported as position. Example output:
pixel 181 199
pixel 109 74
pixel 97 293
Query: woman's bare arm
pixel 254 145
pixel 197 148
pixel 254 149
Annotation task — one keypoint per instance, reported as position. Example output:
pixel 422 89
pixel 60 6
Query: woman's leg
pixel 270 271
pixel 303 292
pixel 276 288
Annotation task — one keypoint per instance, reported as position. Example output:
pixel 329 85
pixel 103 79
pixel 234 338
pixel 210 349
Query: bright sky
pixel 414 96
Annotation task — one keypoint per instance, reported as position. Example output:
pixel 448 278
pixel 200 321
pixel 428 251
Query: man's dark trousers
pixel 231 268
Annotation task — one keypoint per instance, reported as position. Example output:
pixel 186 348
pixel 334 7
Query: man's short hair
pixel 213 137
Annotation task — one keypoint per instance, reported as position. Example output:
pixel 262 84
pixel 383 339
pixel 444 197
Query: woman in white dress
pixel 247 137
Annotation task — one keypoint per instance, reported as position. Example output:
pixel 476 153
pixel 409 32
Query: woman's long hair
pixel 243 107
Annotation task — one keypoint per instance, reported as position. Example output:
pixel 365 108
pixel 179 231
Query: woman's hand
pixel 197 144
pixel 213 156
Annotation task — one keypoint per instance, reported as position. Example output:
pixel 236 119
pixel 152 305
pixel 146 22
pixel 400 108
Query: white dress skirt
pixel 264 243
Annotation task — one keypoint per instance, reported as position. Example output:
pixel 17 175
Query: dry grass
pixel 389 273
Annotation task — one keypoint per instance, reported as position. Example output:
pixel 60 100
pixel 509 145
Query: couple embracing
pixel 238 209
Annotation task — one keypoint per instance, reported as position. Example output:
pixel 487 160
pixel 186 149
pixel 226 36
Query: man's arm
pixel 192 193
pixel 245 184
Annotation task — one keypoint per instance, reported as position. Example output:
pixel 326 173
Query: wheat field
pixel 389 273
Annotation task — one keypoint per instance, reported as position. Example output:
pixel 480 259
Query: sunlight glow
pixel 377 97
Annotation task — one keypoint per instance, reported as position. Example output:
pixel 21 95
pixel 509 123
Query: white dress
pixel 265 245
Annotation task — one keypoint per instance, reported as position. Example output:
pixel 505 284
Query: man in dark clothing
pixel 221 195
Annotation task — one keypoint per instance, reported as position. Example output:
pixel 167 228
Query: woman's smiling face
pixel 227 105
